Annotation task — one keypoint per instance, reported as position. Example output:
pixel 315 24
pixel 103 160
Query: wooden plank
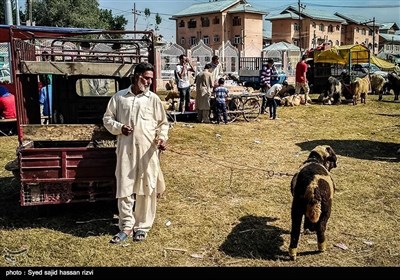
pixel 77 68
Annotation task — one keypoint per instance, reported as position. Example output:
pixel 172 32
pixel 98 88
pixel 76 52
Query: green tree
pixel 158 21
pixel 67 13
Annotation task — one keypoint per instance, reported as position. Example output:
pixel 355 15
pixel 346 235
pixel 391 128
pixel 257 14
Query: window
pixel 96 87
pixel 216 20
pixel 237 21
pixel 337 27
pixel 296 27
pixel 192 23
pixel 314 25
pixel 337 43
pixel 357 30
pixel 363 31
pixel 216 38
pixel 183 41
pixel 330 28
pixel 205 22
pixel 181 23
pixel 370 33
pixel 237 40
pixel 321 27
pixel 206 40
pixel 193 40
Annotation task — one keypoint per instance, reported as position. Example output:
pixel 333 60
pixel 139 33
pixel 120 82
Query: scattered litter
pixel 218 136
pixel 187 125
pixel 309 241
pixel 197 256
pixel 175 249
pixel 257 141
pixel 92 220
pixel 369 243
pixel 168 223
pixel 341 246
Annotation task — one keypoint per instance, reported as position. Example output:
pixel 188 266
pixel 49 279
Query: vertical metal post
pixel 17 19
pixel 8 12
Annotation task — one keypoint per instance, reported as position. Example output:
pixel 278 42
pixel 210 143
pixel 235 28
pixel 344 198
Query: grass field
pixel 228 198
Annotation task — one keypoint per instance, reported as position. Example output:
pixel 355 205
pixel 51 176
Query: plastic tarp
pixel 30 32
pixel 358 53
pixel 328 56
pixel 383 64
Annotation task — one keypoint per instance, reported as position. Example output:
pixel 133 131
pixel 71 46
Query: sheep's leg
pixel 297 215
pixel 321 226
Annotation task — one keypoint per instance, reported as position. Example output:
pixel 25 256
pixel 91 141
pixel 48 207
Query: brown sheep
pixel 394 84
pixel 377 84
pixel 312 189
pixel 360 88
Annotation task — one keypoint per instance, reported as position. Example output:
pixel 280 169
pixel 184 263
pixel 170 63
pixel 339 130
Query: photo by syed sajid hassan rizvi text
pixel 49 272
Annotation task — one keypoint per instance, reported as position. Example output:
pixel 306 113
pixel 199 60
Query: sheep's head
pixel 325 155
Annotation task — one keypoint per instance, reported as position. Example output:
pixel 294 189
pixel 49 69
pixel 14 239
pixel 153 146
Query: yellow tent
pixel 328 56
pixel 383 64
pixel 357 53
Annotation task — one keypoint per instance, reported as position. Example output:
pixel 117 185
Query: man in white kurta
pixel 137 117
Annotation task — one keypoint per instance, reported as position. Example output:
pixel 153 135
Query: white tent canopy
pixel 284 52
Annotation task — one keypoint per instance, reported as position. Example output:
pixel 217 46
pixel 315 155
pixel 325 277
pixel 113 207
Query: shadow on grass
pixel 361 149
pixel 255 238
pixel 78 219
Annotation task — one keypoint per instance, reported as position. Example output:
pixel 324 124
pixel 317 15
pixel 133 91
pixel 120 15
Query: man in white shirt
pixel 183 82
pixel 137 117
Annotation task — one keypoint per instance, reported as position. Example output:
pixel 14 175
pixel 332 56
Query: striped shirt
pixel 221 93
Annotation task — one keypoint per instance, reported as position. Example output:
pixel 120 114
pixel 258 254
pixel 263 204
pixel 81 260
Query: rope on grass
pixel 235 165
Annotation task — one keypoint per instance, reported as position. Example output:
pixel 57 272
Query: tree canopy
pixel 68 13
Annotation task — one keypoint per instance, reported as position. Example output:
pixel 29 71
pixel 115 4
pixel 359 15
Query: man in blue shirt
pixel 46 97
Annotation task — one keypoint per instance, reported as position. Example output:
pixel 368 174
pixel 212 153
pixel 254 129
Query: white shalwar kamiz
pixel 138 171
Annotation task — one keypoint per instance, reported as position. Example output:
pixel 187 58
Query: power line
pixel 354 7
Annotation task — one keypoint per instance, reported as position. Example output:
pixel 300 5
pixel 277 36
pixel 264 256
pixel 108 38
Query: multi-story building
pixel 358 30
pixel 389 42
pixel 217 22
pixel 238 22
pixel 306 29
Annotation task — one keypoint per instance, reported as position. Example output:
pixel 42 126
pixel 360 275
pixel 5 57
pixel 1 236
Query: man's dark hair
pixel 304 57
pixel 44 79
pixel 208 66
pixel 181 56
pixel 270 60
pixel 215 57
pixel 143 67
pixel 221 81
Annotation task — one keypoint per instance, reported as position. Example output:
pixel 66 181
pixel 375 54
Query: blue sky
pixel 383 11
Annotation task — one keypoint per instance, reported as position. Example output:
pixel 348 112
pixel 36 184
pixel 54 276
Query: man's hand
pixel 161 145
pixel 126 130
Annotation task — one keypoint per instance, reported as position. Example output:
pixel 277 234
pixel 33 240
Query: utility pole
pixel 373 32
pixel 8 12
pixel 135 18
pixel 301 6
pixel 18 22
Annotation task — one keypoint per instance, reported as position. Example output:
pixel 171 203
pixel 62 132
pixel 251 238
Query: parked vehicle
pixel 5 76
pixel 364 68
pixel 249 71
pixel 72 157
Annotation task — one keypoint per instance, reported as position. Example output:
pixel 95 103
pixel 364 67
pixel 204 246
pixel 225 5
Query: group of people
pixel 271 91
pixel 207 82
